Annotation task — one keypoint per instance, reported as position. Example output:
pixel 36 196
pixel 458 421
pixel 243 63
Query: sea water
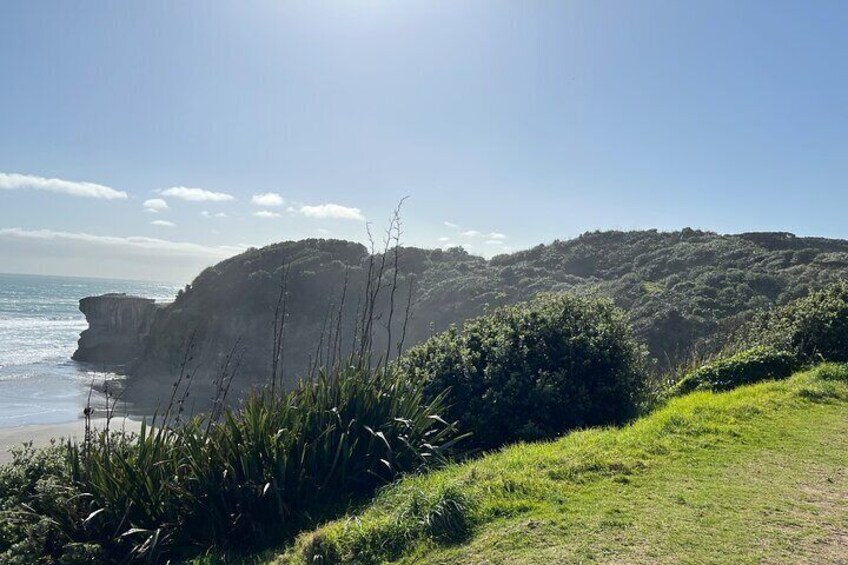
pixel 40 323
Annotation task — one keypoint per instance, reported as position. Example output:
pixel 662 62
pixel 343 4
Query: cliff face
pixel 233 304
pixel 117 327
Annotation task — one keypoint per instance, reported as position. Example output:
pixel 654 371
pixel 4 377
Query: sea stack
pixel 117 326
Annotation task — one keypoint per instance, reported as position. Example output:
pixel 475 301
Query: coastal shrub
pixel 534 370
pixel 279 459
pixel 30 478
pixel 814 328
pixel 254 474
pixel 747 367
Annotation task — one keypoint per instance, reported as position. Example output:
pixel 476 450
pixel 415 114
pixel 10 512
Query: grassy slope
pixel 757 474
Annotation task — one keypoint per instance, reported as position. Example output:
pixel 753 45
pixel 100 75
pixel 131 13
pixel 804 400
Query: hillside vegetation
pixel 754 475
pixel 534 371
pixel 684 291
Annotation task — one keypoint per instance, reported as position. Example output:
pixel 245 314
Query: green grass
pixel 758 474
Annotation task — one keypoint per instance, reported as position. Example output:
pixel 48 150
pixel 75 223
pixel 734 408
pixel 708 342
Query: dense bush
pixel 33 479
pixel 751 366
pixel 778 341
pixel 254 474
pixel 814 328
pixel 534 370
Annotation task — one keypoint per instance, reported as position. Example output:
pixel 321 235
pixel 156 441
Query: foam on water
pixel 40 323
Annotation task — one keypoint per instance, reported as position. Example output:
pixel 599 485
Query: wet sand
pixel 40 435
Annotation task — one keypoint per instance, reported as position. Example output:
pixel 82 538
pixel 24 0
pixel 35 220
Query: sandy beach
pixel 40 435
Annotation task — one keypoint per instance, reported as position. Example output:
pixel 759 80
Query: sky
pixel 146 140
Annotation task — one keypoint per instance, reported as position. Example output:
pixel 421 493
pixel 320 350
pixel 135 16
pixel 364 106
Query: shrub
pixel 814 328
pixel 535 370
pixel 832 372
pixel 751 366
pixel 280 459
pixel 252 475
pixel 35 480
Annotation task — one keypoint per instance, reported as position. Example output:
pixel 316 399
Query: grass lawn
pixel 756 475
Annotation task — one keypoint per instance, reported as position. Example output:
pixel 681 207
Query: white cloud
pixel 125 243
pixel 451 225
pixel 266 214
pixel 470 233
pixel 334 211
pixel 268 199
pixel 14 181
pixel 163 223
pixel 208 214
pixel 197 194
pixel 155 205
pixel 494 242
pixel 497 235
pixel 444 239
pixel 322 231
pixel 83 254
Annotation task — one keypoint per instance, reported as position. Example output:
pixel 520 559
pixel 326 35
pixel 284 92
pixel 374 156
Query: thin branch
pixel 406 317
pixel 394 232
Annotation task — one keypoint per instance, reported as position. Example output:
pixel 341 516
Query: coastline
pixel 41 434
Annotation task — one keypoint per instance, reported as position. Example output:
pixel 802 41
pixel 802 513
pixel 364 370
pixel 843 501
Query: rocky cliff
pixel 117 327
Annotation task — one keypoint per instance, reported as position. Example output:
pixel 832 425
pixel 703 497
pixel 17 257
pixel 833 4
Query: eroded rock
pixel 117 326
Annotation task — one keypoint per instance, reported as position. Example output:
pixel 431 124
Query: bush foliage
pixel 35 478
pixel 813 328
pixel 751 366
pixel 534 370
pixel 254 474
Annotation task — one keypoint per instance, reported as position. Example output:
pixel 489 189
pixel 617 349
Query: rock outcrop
pixel 117 327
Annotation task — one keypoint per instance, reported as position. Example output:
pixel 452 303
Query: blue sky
pixel 508 124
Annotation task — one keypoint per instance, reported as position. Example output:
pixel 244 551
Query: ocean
pixel 40 323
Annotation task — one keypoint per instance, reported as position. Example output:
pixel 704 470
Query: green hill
pixel 683 290
pixel 758 474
